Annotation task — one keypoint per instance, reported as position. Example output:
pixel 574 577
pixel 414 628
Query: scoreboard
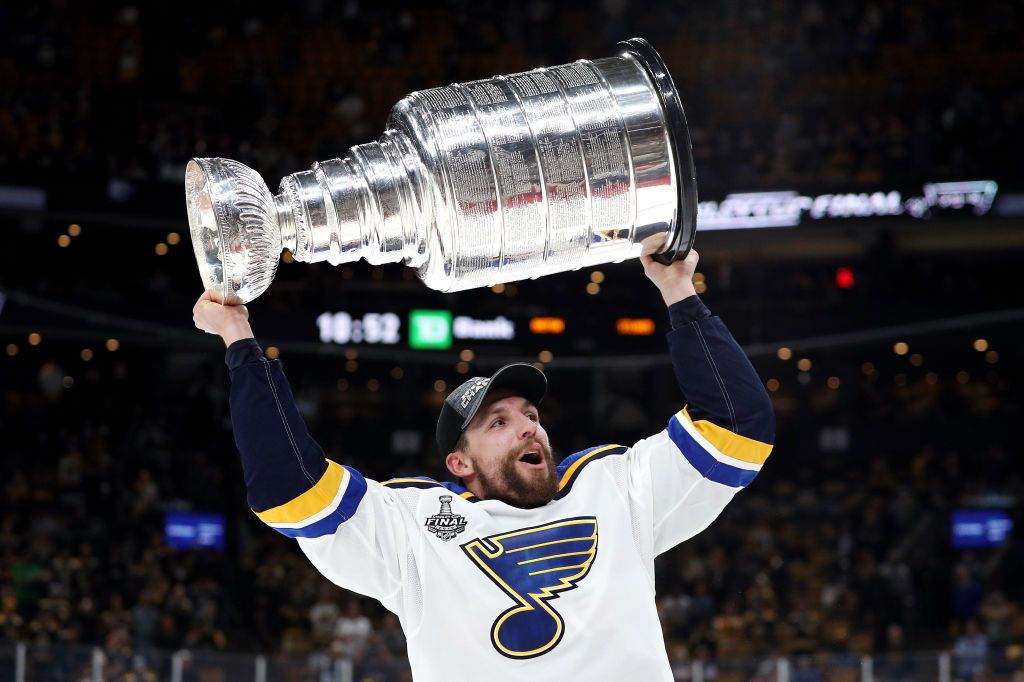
pixel 440 329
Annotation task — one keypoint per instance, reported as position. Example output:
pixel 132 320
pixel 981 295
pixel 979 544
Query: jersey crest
pixel 532 566
pixel 444 524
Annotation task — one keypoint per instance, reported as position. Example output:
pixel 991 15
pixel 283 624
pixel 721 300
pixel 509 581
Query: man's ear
pixel 459 464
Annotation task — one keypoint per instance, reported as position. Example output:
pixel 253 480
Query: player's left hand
pixel 674 281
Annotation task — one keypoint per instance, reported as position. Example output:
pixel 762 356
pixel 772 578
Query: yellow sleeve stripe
pixel 567 476
pixel 311 502
pixel 731 444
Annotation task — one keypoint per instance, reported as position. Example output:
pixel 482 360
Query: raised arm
pixel 717 443
pixel 280 460
pixel 346 525
pixel 718 383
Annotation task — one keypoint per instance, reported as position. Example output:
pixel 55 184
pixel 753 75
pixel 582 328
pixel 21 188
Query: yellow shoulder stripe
pixel 578 463
pixel 731 444
pixel 314 500
pixel 410 480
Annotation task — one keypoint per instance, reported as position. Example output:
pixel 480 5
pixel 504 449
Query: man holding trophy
pixel 524 569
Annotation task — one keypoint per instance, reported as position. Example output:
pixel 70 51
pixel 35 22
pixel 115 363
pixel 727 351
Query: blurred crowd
pixel 840 548
pixel 848 93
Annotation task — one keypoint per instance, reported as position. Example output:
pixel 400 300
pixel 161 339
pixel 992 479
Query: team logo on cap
pixel 444 524
pixel 472 391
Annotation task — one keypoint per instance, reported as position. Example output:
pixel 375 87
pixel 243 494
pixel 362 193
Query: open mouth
pixel 532 456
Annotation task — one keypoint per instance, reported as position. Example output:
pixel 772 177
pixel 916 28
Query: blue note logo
pixel 532 566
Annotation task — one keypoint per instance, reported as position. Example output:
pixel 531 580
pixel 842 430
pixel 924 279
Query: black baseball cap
pixel 462 403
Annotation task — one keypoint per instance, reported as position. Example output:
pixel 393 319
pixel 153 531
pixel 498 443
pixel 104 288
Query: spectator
pixel 324 615
pixel 352 631
pixel 970 653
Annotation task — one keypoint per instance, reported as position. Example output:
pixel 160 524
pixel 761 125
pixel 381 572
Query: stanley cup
pixel 473 184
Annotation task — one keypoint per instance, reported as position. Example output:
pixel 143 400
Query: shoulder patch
pixel 570 468
pixel 423 482
pixel 415 482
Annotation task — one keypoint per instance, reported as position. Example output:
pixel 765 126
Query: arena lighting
pixel 22 198
pixel 547 325
pixel 634 326
pixel 977 528
pixel 190 530
pixel 844 278
pixel 789 208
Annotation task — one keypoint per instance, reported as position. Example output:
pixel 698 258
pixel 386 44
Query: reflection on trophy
pixel 473 184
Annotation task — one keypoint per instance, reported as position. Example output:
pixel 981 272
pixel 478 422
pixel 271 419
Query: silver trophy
pixel 473 184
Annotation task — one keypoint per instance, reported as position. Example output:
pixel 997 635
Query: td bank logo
pixel 430 329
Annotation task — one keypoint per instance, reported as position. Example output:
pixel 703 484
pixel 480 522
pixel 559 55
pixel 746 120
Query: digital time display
pixel 343 328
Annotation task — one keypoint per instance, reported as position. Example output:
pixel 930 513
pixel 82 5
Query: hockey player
pixel 525 570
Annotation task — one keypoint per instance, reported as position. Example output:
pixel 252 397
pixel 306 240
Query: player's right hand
pixel 227 319
pixel 674 281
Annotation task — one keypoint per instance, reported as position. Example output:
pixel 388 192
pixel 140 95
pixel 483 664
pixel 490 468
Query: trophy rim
pixel 679 132
pixel 197 229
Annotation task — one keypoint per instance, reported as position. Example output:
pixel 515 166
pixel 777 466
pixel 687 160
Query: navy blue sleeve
pixel 687 310
pixel 280 459
pixel 717 380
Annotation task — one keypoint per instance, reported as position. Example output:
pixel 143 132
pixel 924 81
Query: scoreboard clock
pixel 342 327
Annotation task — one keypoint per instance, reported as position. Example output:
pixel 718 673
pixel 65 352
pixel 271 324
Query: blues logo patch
pixel 532 566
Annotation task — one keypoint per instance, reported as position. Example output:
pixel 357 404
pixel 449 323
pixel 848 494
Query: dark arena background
pixel 861 231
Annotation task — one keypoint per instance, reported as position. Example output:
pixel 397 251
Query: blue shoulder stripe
pixel 346 509
pixel 705 464
pixel 426 482
pixel 569 469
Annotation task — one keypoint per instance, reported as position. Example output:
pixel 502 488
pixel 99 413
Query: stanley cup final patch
pixel 444 524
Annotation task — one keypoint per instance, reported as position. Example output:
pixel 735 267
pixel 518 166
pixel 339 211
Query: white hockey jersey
pixel 489 591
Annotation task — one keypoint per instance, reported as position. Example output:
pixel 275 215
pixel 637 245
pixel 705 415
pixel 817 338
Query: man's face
pixel 508 452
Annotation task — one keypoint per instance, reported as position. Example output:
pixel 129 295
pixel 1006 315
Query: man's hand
pixel 228 320
pixel 675 281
